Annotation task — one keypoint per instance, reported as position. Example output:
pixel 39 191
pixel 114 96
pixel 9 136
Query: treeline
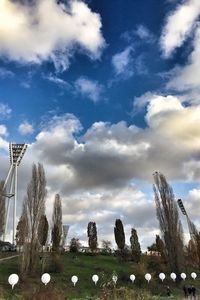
pixel 33 229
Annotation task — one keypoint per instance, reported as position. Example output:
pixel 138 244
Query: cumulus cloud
pixel 121 62
pixel 45 30
pixel 25 128
pixel 178 25
pixel 90 89
pixel 188 77
pixel 95 171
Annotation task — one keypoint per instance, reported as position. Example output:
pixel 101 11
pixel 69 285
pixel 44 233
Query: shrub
pixel 56 265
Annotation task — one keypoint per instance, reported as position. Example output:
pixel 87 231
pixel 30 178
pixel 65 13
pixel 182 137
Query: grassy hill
pixel 84 267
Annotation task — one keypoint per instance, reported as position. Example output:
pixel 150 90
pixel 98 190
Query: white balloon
pixel 45 278
pixel 183 276
pixel 148 277
pixel 132 277
pixel 193 275
pixel 13 279
pixel 114 278
pixel 95 278
pixel 162 276
pixel 74 279
pixel 173 276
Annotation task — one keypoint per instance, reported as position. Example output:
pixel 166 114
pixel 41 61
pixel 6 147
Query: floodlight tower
pixel 191 226
pixel 10 186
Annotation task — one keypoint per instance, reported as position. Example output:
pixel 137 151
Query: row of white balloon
pixel 14 278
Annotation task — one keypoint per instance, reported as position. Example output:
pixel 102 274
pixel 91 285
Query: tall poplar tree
pixel 135 246
pixel 92 236
pixel 170 224
pixel 57 223
pixel 119 235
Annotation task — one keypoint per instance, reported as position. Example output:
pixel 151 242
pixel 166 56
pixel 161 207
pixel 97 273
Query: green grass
pixel 84 267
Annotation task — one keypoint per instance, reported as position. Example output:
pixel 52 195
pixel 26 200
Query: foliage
pixel 22 230
pixel 43 230
pixel 57 223
pixel 92 236
pixel 106 246
pixel 119 234
pixel 56 264
pixel 74 245
pixel 135 246
pixel 160 247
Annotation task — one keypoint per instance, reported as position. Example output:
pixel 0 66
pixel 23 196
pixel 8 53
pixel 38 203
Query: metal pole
pixel 8 205
pixel 14 208
pixel 7 178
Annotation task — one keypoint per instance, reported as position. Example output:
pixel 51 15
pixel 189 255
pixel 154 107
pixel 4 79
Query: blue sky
pixel 104 93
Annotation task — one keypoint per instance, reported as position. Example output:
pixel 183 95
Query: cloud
pixel 159 106
pixel 4 73
pixel 25 128
pixel 144 34
pixel 95 171
pixel 3 130
pixel 188 77
pixel 5 110
pixel 121 62
pixel 45 30
pixel 179 25
pixel 90 89
pixel 58 81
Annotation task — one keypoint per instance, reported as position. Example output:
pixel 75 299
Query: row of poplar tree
pixel 119 239
pixel 33 228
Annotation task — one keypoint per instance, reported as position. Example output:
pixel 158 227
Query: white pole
pixel 7 178
pixel 8 205
pixel 14 208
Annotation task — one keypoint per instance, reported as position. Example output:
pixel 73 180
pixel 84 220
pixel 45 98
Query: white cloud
pixel 178 25
pixel 188 77
pixel 4 73
pixel 121 62
pixel 58 81
pixel 91 89
pixel 94 172
pixel 144 34
pixel 25 128
pixel 159 106
pixel 3 130
pixel 47 30
pixel 5 110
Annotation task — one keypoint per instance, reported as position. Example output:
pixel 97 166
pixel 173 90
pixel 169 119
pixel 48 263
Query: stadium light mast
pixel 191 226
pixel 10 186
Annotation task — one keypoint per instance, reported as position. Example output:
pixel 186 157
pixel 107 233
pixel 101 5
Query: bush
pixel 56 265
pixel 125 294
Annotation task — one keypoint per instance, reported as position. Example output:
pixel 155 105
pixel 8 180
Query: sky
pixel 104 93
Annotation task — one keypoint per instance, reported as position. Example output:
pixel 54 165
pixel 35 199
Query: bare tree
pixel 57 223
pixel 2 208
pixel 34 207
pixel 170 224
